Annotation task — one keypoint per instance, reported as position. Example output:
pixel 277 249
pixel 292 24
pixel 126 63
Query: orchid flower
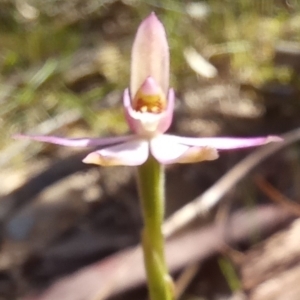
pixel 149 105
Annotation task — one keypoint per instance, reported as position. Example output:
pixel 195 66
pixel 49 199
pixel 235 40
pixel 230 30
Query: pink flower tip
pixel 151 24
pixel 150 87
pixel 152 18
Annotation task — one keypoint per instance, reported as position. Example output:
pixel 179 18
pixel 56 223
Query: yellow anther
pixel 149 103
pixel 143 109
pixel 155 109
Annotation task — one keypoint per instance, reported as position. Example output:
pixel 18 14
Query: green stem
pixel 151 189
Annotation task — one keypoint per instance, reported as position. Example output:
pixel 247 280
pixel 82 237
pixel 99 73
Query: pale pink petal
pixel 150 55
pixel 168 151
pixel 148 124
pixel 226 143
pixel 129 111
pixel 132 153
pixel 167 118
pixel 75 142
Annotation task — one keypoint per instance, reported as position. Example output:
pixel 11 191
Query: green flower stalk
pixel 151 185
pixel 148 106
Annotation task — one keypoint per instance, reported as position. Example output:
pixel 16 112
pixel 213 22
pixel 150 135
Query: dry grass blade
pixel 185 279
pixel 276 196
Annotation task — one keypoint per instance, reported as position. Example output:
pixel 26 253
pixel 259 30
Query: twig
pixel 276 196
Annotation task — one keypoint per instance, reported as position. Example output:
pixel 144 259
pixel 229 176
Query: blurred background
pixel 235 67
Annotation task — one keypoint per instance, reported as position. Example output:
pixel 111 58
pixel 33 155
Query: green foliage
pixel 230 274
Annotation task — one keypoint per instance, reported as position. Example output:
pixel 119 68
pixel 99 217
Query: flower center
pixel 154 104
pixel 149 98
